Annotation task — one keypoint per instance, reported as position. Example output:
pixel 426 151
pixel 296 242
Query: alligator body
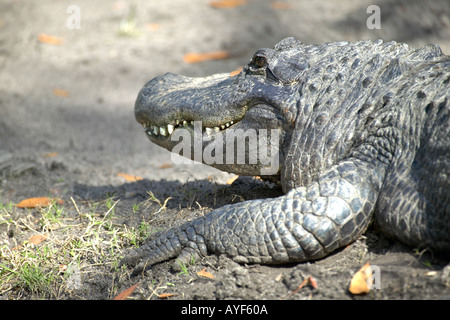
pixel 361 132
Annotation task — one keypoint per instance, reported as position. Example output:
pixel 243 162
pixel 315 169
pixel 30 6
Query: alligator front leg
pixel 305 224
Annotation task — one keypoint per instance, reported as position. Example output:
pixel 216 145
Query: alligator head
pixel 209 110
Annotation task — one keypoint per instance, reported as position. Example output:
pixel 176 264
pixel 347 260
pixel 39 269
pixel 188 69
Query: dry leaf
pixel 128 177
pixel 165 166
pixel 60 92
pixel 312 282
pixel 126 293
pixel 359 283
pixel 204 273
pixel 152 26
pixel 166 295
pixel 205 56
pixel 232 179
pixel 34 240
pixel 48 39
pixel 50 154
pixel 37 238
pixel 227 3
pixel 235 72
pixel 309 280
pixel 38 202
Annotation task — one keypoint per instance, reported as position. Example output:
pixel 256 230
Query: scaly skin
pixel 363 135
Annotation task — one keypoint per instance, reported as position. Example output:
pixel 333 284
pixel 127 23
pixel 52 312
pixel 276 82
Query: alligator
pixel 362 136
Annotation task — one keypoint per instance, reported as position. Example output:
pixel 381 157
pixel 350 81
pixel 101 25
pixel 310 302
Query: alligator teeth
pixel 169 128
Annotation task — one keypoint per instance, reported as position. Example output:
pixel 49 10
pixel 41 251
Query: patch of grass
pixel 79 241
pixel 152 198
pixel 51 216
pixel 29 270
pixel 184 269
pixel 111 205
pixel 5 217
pixel 77 247
pixel 37 279
pixel 8 206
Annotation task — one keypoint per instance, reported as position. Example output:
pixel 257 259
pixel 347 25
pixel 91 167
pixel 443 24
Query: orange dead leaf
pixel 235 72
pixel 38 202
pixel 60 93
pixel 166 295
pixel 205 56
pixel 128 177
pixel 310 280
pixel 360 283
pixel 37 238
pixel 50 154
pixel 152 26
pixel 232 179
pixel 204 273
pixel 48 39
pixel 165 166
pixel 34 240
pixel 227 3
pixel 126 293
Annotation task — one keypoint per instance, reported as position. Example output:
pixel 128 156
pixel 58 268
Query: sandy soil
pixel 67 128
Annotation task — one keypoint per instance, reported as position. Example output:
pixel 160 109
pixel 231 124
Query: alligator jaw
pixel 170 101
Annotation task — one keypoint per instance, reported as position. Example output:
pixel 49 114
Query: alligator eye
pixel 260 61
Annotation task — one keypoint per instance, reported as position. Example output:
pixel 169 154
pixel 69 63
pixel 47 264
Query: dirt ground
pixel 67 129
